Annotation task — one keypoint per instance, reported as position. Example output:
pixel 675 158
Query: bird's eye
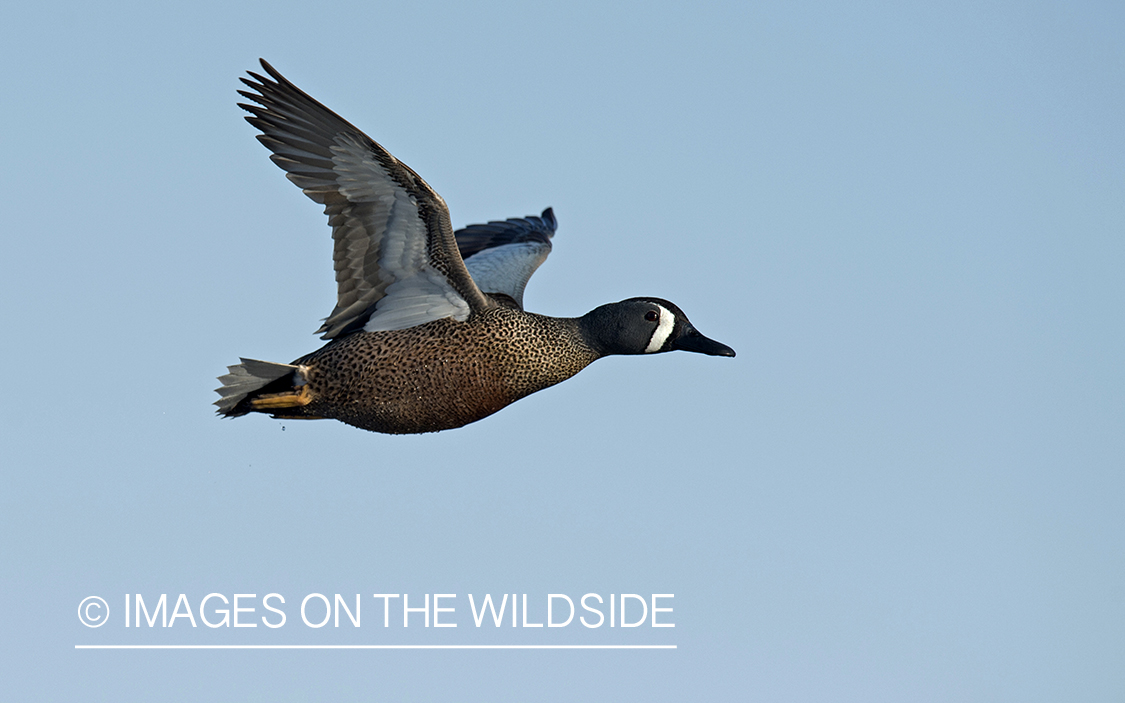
pixel 652 316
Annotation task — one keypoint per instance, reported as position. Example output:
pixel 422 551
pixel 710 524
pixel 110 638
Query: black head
pixel 646 326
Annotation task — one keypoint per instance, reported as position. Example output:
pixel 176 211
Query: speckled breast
pixel 442 374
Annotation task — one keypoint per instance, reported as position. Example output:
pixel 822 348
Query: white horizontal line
pixel 375 646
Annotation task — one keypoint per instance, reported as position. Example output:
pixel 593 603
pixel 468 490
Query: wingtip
pixel 268 68
pixel 273 73
pixel 548 217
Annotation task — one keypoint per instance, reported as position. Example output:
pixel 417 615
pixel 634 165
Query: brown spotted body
pixel 439 375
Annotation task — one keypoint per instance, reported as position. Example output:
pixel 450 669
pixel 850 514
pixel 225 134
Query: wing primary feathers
pixel 389 226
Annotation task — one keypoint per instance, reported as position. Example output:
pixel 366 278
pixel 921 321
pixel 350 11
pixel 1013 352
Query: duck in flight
pixel 429 331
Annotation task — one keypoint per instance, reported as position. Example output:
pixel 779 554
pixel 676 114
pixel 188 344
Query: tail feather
pixel 245 379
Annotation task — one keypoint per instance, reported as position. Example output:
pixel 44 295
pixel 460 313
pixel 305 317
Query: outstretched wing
pixel 501 256
pixel 396 258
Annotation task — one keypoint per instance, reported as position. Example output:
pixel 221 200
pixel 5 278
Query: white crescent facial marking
pixel 663 329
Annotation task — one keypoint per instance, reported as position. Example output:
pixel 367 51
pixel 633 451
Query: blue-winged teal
pixel 429 331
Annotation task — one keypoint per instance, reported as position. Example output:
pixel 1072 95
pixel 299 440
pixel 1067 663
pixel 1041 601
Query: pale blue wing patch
pixel 418 293
pixel 501 255
pixel 422 298
pixel 506 269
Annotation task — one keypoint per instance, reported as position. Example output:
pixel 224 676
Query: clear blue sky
pixel 908 219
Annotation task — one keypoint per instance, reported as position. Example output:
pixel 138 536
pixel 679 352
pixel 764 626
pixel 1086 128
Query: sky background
pixel 907 218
